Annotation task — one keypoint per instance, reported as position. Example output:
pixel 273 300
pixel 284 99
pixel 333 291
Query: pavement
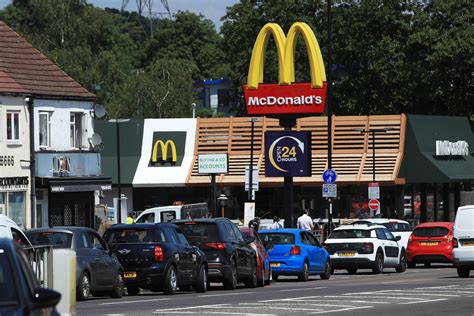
pixel 421 291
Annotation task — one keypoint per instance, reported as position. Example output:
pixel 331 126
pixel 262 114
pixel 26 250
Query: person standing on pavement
pixel 305 221
pixel 276 223
pixel 130 219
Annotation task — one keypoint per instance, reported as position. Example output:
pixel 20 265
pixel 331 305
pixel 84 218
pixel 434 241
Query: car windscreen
pixel 199 232
pixel 8 289
pixel 350 233
pixel 134 235
pixel 430 231
pixel 55 239
pixel 278 238
pixel 397 227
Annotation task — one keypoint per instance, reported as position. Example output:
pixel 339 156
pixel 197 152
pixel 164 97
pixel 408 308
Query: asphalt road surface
pixel 422 291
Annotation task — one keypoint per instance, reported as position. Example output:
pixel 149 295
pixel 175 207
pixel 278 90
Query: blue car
pixel 296 252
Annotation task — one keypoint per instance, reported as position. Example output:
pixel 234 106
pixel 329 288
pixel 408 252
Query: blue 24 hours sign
pixel 287 154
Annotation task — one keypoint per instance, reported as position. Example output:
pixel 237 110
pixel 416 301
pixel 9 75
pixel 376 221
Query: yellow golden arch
pixel 164 151
pixel 286 47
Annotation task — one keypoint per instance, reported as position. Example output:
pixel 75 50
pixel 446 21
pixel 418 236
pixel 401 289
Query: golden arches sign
pixel 286 98
pixel 164 151
pixel 286 47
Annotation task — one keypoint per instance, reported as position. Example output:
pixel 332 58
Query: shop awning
pixel 422 165
pixel 75 184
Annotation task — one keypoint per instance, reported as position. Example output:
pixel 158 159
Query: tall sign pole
pixel 329 105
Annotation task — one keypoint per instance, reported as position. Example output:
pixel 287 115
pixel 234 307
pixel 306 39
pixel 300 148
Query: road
pixel 421 291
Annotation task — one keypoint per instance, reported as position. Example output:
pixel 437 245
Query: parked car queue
pixel 192 253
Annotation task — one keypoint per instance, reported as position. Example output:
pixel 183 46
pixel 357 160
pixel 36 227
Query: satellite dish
pixel 96 139
pixel 99 110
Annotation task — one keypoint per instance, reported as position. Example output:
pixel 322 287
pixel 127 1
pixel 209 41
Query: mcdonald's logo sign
pixel 167 149
pixel 286 97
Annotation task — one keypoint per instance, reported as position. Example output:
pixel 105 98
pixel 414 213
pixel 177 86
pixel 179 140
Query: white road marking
pixel 427 301
pixel 304 289
pixel 190 307
pixel 349 301
pixel 137 301
pixel 227 294
pixel 343 309
pixel 408 292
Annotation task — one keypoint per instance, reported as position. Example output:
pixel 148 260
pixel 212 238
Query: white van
pixel 9 229
pixel 168 213
pixel 463 242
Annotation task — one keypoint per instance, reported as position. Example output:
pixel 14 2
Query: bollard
pixel 64 280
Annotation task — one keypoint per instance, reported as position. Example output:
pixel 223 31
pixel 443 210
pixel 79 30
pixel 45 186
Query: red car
pixel 431 243
pixel 264 272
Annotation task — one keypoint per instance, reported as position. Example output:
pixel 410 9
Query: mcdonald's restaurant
pixel 424 165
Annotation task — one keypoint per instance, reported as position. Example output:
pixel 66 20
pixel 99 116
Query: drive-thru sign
pixel 374 205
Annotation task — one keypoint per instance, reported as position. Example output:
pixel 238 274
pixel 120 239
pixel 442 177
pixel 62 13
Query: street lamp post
pixel 373 131
pixel 119 182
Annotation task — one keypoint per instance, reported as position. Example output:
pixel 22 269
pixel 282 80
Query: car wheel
pixel 411 265
pixel 84 287
pixel 269 279
pixel 402 266
pixel 201 285
pixel 378 264
pixel 304 275
pixel 231 282
pixel 275 276
pixel 117 291
pixel 327 271
pixel 252 280
pixel 463 272
pixel 171 282
pixel 352 270
pixel 133 290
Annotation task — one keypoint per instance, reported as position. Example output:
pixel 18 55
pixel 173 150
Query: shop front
pixel 67 186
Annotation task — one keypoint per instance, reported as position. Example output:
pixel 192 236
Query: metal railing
pixel 41 260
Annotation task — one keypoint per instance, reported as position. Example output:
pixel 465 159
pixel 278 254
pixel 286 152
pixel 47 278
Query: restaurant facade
pixel 417 180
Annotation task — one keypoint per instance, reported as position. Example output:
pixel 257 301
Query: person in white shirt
pixel 276 223
pixel 305 221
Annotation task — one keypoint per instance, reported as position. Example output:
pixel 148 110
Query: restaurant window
pixel 76 129
pixel 45 129
pixel 13 126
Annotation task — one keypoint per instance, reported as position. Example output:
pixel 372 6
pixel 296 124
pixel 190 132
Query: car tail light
pixel 295 250
pixel 410 240
pixel 368 246
pixel 455 242
pixel 158 254
pixel 216 245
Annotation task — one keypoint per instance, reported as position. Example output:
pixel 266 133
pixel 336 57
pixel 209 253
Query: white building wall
pixel 60 122
pixel 14 162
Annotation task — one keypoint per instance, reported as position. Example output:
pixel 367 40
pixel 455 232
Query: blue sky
pixel 211 9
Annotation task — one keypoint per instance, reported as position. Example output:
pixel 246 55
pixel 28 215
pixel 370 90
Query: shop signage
pixel 254 178
pixel 286 97
pixel 447 148
pixel 14 181
pixel 7 161
pixel 167 149
pixel 212 163
pixel 288 154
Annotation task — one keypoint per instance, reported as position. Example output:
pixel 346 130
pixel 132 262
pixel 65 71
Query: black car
pixel 230 257
pixel 98 270
pixel 158 257
pixel 20 291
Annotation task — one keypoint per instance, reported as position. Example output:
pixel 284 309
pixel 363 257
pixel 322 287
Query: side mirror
pixel 398 238
pixel 43 298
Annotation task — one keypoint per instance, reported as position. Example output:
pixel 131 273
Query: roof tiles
pixel 24 70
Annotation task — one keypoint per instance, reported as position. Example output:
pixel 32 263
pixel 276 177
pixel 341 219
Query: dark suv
pixel 230 257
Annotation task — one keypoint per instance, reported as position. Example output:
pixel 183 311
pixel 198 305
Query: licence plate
pixel 347 254
pixel 275 264
pixel 129 275
pixel 428 243
pixel 468 243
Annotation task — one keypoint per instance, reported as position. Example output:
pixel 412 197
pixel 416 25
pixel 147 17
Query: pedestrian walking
pixel 305 221
pixel 276 223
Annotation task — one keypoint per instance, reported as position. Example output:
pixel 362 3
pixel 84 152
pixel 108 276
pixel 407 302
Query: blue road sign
pixel 329 176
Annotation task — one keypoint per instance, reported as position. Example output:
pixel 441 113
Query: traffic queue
pixel 193 253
